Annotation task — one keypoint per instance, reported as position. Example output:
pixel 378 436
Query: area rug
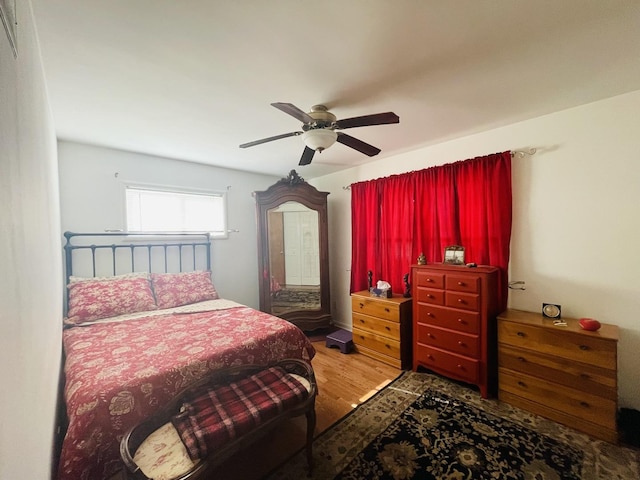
pixel 425 427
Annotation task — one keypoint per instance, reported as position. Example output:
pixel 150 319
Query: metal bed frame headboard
pixel 168 242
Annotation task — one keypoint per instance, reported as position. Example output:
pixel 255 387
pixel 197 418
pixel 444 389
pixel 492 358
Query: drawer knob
pixel 522 359
pixel 460 321
pixel 429 335
pixel 388 346
pixel 429 280
pixel 461 344
pixel 585 376
pixel 361 320
pixel 522 384
pixel 429 314
pixel 584 404
pixel 461 284
pixel 429 356
pixel 521 334
pixel 361 305
pixel 387 310
pixel 460 300
pixel 387 328
pixel 584 347
pixel 460 367
pixel 429 295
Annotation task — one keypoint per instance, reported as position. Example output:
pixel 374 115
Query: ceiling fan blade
pixel 270 139
pixel 294 111
pixel 356 144
pixel 307 156
pixel 366 120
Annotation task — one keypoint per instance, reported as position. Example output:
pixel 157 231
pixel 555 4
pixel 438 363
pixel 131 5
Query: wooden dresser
pixel 454 315
pixel 563 373
pixel 382 328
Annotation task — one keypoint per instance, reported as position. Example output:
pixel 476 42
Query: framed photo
pixel 8 17
pixel 454 255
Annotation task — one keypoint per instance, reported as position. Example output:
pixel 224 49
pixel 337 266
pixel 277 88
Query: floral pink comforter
pixel 119 373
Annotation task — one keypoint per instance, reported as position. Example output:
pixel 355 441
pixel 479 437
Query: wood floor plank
pixel 343 379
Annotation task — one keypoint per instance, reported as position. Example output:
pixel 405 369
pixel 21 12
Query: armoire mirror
pixel 293 254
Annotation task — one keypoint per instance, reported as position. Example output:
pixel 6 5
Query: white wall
pixel 30 248
pixel 576 219
pixel 92 200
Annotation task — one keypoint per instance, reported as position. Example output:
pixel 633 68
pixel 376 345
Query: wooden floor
pixel 343 380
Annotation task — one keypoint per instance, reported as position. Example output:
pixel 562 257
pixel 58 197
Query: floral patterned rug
pixel 427 427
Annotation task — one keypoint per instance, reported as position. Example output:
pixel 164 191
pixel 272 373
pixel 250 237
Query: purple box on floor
pixel 341 339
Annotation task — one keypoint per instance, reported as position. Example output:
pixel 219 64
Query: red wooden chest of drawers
pixel 454 322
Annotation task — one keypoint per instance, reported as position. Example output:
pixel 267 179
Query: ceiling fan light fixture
pixel 319 139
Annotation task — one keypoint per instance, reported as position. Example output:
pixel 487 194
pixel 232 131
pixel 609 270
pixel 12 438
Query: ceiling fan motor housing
pixel 323 118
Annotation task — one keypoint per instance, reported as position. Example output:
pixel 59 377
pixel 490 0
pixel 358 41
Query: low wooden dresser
pixel 454 315
pixel 564 373
pixel 382 328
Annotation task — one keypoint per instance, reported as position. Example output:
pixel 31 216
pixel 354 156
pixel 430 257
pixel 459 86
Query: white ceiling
pixel 193 79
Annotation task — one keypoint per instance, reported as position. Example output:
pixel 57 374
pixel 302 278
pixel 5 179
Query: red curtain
pixel 465 203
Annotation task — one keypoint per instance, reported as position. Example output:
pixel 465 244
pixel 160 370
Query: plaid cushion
pixel 210 417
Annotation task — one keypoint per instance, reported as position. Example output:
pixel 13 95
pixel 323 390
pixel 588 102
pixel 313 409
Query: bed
pixel 137 336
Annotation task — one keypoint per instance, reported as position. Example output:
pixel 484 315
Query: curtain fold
pixel 435 222
pixel 466 203
pixel 396 229
pixel 365 229
pixel 485 215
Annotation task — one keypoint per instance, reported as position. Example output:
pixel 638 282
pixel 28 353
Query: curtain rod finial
pixel 522 153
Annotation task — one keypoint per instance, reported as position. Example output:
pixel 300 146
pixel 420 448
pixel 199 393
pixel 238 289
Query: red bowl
pixel 589 324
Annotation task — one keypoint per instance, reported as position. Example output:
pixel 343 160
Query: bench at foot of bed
pixel 217 416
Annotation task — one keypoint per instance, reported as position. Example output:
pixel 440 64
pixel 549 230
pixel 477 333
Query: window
pixel 152 209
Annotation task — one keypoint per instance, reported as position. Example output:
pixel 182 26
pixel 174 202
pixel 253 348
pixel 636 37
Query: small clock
pixel 551 310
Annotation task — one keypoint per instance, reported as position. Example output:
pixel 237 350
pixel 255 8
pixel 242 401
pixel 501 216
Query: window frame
pixel 178 190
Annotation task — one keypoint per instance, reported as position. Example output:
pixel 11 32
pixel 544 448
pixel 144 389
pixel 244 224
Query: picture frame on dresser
pixel 454 255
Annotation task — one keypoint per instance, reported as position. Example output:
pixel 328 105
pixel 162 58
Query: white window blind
pixel 154 210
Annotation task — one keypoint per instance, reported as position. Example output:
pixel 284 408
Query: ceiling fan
pixel 319 130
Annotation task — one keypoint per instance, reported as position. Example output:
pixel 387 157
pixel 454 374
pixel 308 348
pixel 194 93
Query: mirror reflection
pixel 294 258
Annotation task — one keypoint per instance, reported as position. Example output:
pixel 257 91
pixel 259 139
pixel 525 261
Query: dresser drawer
pixel 429 279
pixel 429 295
pixel 468 322
pixel 378 326
pixel 581 376
pixel 376 307
pixel 592 408
pixel 463 283
pixel 375 342
pixel 457 366
pixel 466 301
pixel 456 342
pixel 581 348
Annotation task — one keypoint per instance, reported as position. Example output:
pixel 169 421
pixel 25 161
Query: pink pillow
pixel 175 289
pixel 95 299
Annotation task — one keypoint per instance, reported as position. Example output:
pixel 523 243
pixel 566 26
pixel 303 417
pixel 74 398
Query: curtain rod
pixel 516 153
